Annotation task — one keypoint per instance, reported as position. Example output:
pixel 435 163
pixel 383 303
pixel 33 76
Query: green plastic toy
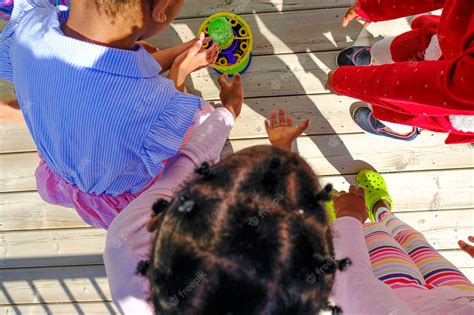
pixel 221 32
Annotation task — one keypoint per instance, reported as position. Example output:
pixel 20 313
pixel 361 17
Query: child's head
pixel 247 236
pixel 151 16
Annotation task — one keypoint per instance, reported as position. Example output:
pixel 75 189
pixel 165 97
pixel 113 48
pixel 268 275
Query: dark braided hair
pixel 247 236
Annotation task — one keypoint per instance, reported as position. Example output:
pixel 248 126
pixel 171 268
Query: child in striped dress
pixel 103 118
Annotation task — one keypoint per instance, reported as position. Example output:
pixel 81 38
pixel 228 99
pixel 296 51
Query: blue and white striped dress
pixel 102 118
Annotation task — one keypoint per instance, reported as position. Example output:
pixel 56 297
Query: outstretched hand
pixel 469 249
pixel 352 14
pixel 281 131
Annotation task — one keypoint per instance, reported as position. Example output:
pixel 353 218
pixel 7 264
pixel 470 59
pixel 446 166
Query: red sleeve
pixel 382 10
pixel 429 88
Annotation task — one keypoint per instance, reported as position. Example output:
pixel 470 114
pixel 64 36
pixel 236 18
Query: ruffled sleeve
pixel 15 15
pixel 167 132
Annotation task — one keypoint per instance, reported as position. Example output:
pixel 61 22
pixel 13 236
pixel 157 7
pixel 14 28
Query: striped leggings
pixel 402 257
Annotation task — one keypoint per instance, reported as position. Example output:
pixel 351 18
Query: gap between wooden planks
pixel 84 246
pixel 328 155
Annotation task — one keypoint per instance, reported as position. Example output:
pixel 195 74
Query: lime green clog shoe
pixel 330 210
pixel 375 190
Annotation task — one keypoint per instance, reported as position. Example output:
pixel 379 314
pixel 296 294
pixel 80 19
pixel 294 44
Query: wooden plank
pixel 434 190
pixel 15 137
pixel 275 75
pixel 18 172
pixel 328 154
pixel 26 210
pixel 207 8
pixel 52 248
pixel 329 115
pixel 54 285
pixel 85 246
pixel 345 154
pixel 65 284
pixel 271 36
pixel 91 308
pixel 437 226
pixel 458 258
pixel 428 190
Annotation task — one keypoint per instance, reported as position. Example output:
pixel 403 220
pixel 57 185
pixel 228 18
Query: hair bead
pixel 185 204
pixel 142 267
pixel 324 195
pixel 336 310
pixel 204 170
pixel 160 206
pixel 344 264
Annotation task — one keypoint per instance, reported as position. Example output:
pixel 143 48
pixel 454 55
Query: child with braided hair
pixel 249 235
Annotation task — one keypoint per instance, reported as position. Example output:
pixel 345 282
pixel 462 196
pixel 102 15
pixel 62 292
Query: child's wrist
pixel 282 144
pixel 230 108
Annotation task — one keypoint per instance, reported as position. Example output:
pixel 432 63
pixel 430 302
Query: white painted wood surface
pixel 50 261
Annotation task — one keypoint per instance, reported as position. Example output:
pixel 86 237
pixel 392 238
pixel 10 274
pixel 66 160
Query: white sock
pixel 379 212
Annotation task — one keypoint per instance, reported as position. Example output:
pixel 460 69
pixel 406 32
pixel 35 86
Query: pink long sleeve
pixel 357 290
pixel 128 242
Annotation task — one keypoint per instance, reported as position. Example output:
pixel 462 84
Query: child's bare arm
pixel 166 57
pixel 281 131
pixel 10 110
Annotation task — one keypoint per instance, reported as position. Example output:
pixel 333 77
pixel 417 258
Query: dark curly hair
pixel 112 8
pixel 246 236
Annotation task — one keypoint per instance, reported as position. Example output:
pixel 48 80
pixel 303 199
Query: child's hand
pixel 232 94
pixel 352 14
pixel 469 249
pixel 193 59
pixel 196 57
pixel 351 204
pixel 328 84
pixel 281 131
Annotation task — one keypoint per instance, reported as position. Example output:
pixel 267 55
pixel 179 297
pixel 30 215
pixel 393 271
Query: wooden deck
pixel 50 261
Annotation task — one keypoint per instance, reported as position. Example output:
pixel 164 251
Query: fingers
pixel 267 126
pixel 212 53
pixel 282 118
pixel 303 126
pixel 471 239
pixel 223 81
pixel 273 119
pixel 350 15
pixel 357 191
pixel 466 248
pixel 237 80
pixel 196 48
pixel 366 24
